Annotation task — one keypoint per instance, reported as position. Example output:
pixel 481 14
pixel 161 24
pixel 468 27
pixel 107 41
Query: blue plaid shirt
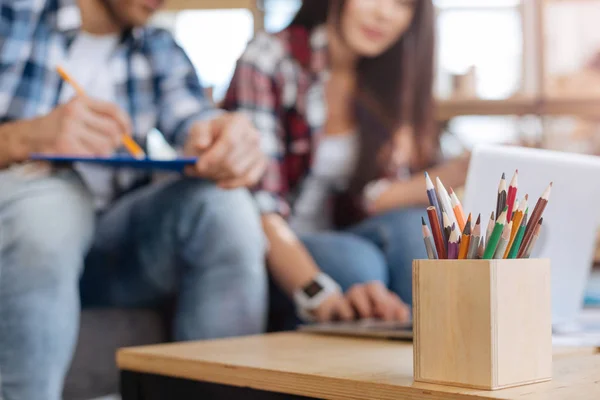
pixel 155 80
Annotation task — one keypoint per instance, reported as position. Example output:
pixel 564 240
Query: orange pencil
pixel 466 240
pixel 132 147
pixel 458 210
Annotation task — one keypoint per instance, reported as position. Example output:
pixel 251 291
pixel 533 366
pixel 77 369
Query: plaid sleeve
pixel 256 90
pixel 180 95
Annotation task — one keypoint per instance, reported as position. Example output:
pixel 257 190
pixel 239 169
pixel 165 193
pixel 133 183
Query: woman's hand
pixel 334 307
pixel 374 300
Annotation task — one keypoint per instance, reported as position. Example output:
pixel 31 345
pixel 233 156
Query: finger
pixel 231 132
pixel 235 166
pixel 111 110
pixel 96 144
pixel 250 179
pixel 200 137
pixel 104 126
pixel 325 311
pixel 380 299
pixel 357 296
pixel 401 310
pixel 344 311
pixel 241 160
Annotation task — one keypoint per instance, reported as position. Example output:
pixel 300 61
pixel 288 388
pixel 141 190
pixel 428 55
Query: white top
pixel 334 162
pixel 88 63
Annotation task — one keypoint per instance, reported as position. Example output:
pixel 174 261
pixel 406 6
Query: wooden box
pixel 483 324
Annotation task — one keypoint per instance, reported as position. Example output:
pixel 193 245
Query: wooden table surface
pixel 331 367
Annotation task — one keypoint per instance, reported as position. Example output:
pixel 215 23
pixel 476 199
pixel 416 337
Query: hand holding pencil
pixel 100 125
pixel 82 127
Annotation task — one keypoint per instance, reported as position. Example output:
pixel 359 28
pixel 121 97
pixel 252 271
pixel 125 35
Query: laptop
pixel 363 328
pixel 568 236
pixel 571 219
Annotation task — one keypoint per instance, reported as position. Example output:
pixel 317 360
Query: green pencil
pixel 490 249
pixel 514 250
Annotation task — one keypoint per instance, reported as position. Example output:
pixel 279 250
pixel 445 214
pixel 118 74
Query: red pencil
pixel 436 231
pixel 512 195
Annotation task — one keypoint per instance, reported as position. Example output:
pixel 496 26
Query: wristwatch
pixel 312 295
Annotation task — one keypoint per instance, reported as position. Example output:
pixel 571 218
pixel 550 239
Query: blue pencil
pixel 433 198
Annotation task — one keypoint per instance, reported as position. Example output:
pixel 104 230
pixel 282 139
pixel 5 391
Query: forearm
pixel 289 262
pixel 15 139
pixel 412 193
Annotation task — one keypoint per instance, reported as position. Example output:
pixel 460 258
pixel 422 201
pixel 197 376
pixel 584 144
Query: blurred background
pixel 508 71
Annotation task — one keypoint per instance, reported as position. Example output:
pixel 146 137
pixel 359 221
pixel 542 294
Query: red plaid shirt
pixel 279 83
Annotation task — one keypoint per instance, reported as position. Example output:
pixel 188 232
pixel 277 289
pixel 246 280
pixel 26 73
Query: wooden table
pixel 311 366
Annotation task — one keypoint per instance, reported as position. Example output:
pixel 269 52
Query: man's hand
pixel 229 151
pixel 83 127
pixel 374 300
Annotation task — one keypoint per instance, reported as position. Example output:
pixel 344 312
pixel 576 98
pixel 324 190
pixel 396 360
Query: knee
pixel 347 258
pixel 220 221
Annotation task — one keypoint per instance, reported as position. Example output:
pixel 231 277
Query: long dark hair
pixel 394 89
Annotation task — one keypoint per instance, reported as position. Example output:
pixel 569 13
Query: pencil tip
pixel 526 197
pixel 517 171
pixel 551 183
pixel 492 216
pixel 423 221
pixel 541 220
pixel 503 175
pixel 478 219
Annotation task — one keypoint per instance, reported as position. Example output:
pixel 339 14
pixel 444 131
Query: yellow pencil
pixel 132 147
pixel 517 223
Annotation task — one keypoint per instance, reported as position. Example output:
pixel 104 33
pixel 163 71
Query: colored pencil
pixel 428 239
pixel 514 248
pixel 512 195
pixel 514 208
pixel 447 228
pixel 490 229
pixel 458 210
pixel 445 202
pixel 501 201
pixel 132 147
pixel 453 243
pixel 517 218
pixel 436 231
pixel 535 217
pixel 492 245
pixel 504 239
pixel 536 235
pixel 481 249
pixel 475 239
pixel 463 249
pixel 433 197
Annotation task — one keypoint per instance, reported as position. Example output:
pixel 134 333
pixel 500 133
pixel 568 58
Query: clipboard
pixel 122 161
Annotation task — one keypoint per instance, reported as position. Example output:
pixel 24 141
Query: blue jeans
pixel 380 248
pixel 184 239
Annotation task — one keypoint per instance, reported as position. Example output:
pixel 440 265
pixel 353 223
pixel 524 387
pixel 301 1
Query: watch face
pixel 312 289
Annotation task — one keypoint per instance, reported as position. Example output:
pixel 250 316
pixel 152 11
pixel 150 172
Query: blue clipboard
pixel 177 165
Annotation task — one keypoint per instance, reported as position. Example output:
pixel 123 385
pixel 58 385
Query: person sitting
pixel 197 238
pixel 343 100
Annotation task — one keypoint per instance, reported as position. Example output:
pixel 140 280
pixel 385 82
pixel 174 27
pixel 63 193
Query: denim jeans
pixel 182 238
pixel 380 248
